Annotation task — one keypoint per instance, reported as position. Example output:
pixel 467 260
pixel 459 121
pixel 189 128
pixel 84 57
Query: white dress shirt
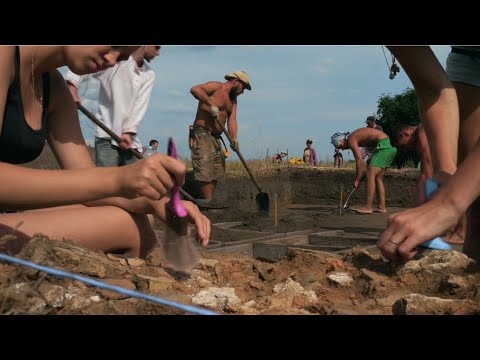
pixel 123 97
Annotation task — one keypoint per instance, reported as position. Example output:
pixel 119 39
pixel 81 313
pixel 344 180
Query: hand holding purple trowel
pixel 179 247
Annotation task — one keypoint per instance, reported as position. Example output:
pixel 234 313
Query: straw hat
pixel 240 75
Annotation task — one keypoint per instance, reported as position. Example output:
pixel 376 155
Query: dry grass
pixel 265 167
pixel 260 167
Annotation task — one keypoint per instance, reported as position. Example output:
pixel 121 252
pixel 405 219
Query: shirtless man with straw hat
pixel 215 99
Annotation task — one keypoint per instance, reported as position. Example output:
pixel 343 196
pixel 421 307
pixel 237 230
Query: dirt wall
pixel 310 186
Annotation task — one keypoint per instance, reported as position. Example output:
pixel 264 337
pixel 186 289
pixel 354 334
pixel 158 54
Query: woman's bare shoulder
pixel 7 63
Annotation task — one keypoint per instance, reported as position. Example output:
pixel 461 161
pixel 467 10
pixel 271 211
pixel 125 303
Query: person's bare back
pixel 366 137
pixel 382 158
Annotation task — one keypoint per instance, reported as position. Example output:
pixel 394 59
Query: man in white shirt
pixel 123 99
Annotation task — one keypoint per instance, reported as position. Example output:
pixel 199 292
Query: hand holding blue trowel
pixel 431 187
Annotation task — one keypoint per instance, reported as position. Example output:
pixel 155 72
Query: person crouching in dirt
pixel 216 100
pixel 413 138
pixel 381 160
pixel 337 158
pixel 278 158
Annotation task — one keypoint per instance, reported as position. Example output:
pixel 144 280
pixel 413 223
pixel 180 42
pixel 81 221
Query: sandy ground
pixel 292 217
pixel 302 281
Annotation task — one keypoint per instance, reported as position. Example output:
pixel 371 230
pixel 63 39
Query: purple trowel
pixel 179 247
pixel 175 203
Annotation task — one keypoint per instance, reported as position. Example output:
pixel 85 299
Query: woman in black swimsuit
pixel 100 208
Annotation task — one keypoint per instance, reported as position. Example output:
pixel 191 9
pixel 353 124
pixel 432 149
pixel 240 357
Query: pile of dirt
pixel 303 282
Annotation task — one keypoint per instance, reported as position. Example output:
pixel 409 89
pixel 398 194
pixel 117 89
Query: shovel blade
pixel 263 202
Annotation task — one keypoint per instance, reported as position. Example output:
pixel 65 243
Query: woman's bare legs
pixel 106 228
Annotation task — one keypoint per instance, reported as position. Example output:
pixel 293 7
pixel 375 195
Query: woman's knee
pixel 147 239
pixel 106 228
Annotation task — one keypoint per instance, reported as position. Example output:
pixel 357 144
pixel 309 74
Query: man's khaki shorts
pixel 207 157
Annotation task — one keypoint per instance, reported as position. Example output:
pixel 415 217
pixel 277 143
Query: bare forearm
pixel 140 205
pixel 441 122
pixel 359 168
pixel 464 187
pixel 420 190
pixel 24 188
pixel 427 168
pixel 233 129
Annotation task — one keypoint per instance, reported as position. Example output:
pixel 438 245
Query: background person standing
pixel 309 154
pixel 124 94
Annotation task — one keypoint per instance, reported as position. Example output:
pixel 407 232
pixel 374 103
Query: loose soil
pixel 359 281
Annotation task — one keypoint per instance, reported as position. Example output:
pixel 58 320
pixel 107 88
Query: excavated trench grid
pixel 306 227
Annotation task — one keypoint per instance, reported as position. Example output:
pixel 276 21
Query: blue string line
pixel 61 273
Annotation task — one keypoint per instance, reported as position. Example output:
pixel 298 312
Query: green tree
pixel 399 109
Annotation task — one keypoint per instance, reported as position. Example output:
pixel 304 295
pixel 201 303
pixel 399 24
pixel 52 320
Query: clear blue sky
pixel 298 92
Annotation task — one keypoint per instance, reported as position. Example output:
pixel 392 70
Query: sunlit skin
pixel 224 97
pixel 356 140
pixel 105 209
pixel 439 111
pixel 413 138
